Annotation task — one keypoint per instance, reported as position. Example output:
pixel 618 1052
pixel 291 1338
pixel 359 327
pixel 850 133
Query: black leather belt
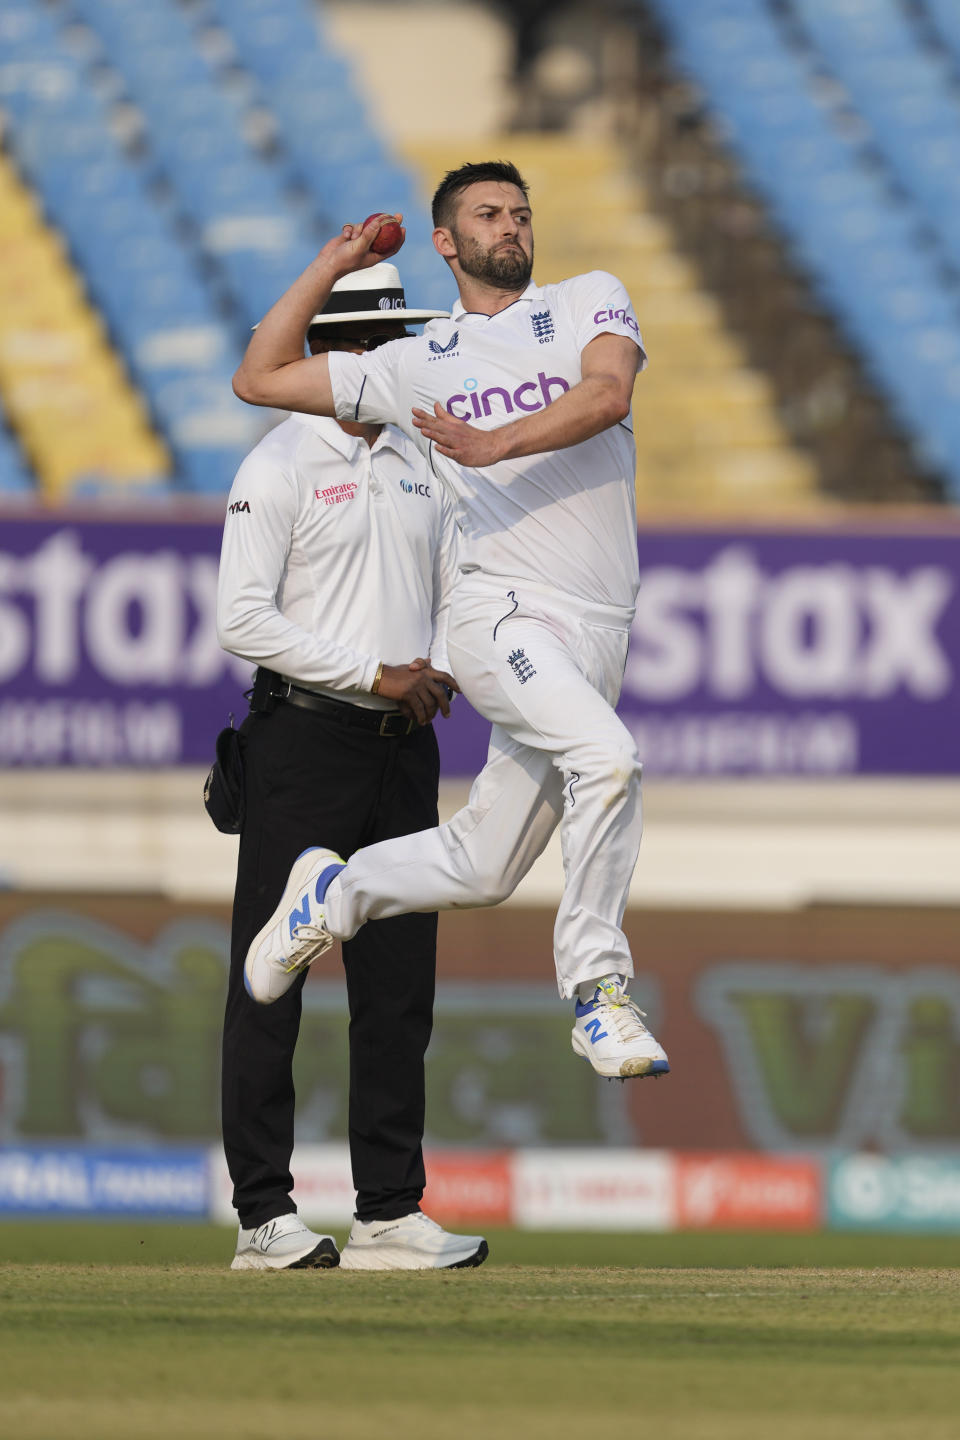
pixel 389 723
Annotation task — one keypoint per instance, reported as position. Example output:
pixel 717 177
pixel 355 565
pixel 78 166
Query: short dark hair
pixel 456 181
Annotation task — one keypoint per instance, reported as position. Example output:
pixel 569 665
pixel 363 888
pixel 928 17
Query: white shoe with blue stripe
pixel 610 1033
pixel 295 935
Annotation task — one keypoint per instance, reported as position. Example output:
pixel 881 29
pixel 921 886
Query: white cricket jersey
pixel 335 557
pixel 565 519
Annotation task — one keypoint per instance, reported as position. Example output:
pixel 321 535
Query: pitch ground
pixel 143 1333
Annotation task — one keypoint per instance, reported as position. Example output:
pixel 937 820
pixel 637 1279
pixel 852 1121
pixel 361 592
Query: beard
pixel 505 269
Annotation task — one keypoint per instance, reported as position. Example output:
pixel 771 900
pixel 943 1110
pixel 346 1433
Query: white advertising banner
pixel 323 1190
pixel 594 1190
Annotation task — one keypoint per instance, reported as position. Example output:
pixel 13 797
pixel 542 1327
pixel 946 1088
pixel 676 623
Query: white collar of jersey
pixel 532 292
pixel 346 445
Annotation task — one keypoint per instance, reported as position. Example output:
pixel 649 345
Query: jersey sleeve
pixel 367 388
pixel 600 305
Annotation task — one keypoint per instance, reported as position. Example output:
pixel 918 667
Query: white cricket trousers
pixel 546 670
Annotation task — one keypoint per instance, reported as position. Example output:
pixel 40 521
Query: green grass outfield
pixel 135 1331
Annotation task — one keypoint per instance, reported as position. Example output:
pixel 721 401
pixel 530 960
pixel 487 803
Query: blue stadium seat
pixel 161 312
pixel 874 250
pixel 16 481
pixel 287 40
pixel 234 198
pixel 323 121
pixel 905 93
pixel 944 16
pixel 188 238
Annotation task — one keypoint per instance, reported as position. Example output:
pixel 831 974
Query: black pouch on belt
pixel 223 789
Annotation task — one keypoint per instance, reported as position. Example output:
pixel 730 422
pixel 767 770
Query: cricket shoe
pixel 284 1244
pixel 414 1242
pixel 610 1033
pixel 295 935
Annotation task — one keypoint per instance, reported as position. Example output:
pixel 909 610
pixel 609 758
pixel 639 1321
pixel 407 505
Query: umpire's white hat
pixel 372 294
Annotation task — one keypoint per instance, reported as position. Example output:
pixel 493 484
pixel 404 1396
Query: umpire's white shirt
pixel 335 556
pixel 564 520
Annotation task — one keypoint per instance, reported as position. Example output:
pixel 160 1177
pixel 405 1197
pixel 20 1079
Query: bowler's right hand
pixel 351 249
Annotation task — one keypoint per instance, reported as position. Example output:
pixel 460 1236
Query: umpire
pixel 338 554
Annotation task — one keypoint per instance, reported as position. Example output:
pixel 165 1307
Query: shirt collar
pixel 532 292
pixel 346 445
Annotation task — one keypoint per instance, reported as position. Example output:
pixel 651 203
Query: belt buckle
pixel 386 723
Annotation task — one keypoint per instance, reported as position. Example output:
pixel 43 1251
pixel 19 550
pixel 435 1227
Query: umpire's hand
pixel 418 689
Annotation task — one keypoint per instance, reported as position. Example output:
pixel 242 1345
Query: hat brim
pixel 414 317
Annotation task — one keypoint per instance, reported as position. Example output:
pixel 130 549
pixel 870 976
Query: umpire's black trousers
pixel 311 780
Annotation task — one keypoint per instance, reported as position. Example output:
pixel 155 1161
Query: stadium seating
pixel 160 311
pixel 323 123
pixel 73 407
pixel 866 218
pixel 943 20
pixel 233 198
pixel 16 482
pixel 193 156
pixel 905 93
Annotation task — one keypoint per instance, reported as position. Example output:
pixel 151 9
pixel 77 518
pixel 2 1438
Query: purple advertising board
pixel 766 652
pixel 797 652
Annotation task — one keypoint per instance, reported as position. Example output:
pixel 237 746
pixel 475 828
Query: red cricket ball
pixel 390 237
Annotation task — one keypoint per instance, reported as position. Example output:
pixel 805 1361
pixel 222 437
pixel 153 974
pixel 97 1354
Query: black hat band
pixel 345 302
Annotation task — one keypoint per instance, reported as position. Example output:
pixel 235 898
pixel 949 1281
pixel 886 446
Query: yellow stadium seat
pixel 64 389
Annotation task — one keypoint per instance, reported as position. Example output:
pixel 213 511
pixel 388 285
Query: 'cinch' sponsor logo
pixel 529 395
pixel 603 317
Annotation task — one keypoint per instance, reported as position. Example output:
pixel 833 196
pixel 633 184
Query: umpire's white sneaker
pixel 295 934
pixel 413 1242
pixel 284 1244
pixel 610 1033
